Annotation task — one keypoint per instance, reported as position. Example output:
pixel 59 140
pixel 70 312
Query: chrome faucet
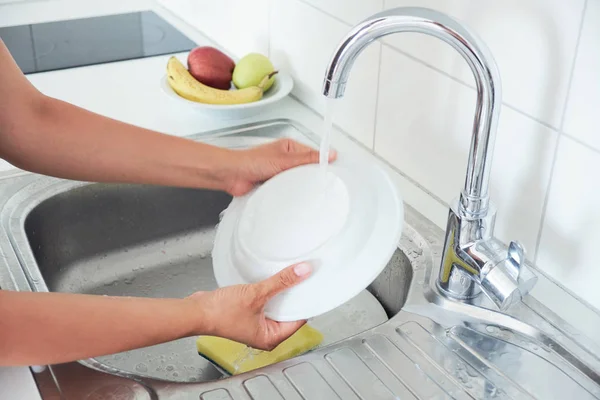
pixel 473 260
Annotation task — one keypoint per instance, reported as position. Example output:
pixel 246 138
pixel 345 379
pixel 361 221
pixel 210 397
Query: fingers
pixel 283 280
pixel 302 154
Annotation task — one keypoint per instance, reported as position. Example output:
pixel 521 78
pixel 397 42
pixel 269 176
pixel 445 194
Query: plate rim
pixel 387 246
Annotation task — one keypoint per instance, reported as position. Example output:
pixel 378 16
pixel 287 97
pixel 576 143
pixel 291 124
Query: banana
pixel 186 86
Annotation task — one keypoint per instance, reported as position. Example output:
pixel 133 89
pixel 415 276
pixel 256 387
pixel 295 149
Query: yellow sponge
pixel 236 358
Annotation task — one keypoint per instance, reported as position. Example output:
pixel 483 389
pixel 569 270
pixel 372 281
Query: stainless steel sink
pixel 127 240
pixel 401 338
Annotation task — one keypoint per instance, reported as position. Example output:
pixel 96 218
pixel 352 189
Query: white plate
pixel 281 88
pixel 352 240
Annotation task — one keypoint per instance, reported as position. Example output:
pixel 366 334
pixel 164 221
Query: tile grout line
pixel 457 80
pixel 326 13
pixel 581 142
pixel 377 97
pixel 538 241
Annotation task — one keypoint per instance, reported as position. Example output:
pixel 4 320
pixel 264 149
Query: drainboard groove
pixel 309 383
pixel 397 386
pixel 455 367
pixel 261 387
pixel 518 362
pixel 417 377
pixel 361 379
pixel 217 394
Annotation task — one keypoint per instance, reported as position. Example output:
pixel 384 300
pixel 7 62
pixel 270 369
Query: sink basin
pixel 400 338
pixel 128 240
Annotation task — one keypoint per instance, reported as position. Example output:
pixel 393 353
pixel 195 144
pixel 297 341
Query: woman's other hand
pixel 237 312
pixel 263 162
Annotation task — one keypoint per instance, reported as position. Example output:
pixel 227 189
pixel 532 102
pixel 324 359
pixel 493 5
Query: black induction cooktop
pixel 88 41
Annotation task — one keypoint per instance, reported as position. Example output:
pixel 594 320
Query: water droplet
pixel 534 347
pixel 491 329
pixel 408 332
pixel 170 367
pixel 472 373
pixel 175 374
pixel 141 367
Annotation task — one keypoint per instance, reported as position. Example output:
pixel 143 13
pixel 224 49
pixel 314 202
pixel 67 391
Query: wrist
pixel 203 322
pixel 227 172
pixel 220 166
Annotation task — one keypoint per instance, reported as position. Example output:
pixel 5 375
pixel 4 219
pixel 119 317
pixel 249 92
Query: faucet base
pixel 460 286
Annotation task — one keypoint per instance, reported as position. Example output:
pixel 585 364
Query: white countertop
pixel 129 91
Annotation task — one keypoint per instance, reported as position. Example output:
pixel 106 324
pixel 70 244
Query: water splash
pixel 245 355
pixel 326 136
pixel 141 367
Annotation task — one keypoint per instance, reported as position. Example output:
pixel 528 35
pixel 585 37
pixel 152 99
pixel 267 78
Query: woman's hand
pixel 263 162
pixel 237 312
pixel 79 326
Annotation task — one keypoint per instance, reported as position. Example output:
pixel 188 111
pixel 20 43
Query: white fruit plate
pixel 281 88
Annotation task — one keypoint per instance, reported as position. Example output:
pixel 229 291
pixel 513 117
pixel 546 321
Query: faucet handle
pixel 516 258
pixel 516 252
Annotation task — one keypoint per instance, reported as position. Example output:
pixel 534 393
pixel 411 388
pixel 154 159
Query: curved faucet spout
pixel 475 197
pixel 472 260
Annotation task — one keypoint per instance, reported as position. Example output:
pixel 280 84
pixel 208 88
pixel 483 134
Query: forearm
pixel 50 328
pixel 58 139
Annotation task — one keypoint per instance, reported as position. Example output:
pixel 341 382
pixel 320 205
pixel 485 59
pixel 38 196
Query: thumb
pixel 284 279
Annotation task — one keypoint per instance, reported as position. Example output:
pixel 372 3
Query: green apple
pixel 251 70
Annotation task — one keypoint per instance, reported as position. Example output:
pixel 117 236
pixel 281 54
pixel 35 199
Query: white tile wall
pixel 533 42
pixel 239 26
pixel 302 41
pixel 349 11
pixel 571 231
pixel 581 120
pixel 424 128
pixel 416 111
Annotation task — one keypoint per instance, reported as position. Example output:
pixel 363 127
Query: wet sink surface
pixel 400 338
pixel 129 240
pixel 150 241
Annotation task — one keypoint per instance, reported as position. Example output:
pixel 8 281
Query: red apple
pixel 211 67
